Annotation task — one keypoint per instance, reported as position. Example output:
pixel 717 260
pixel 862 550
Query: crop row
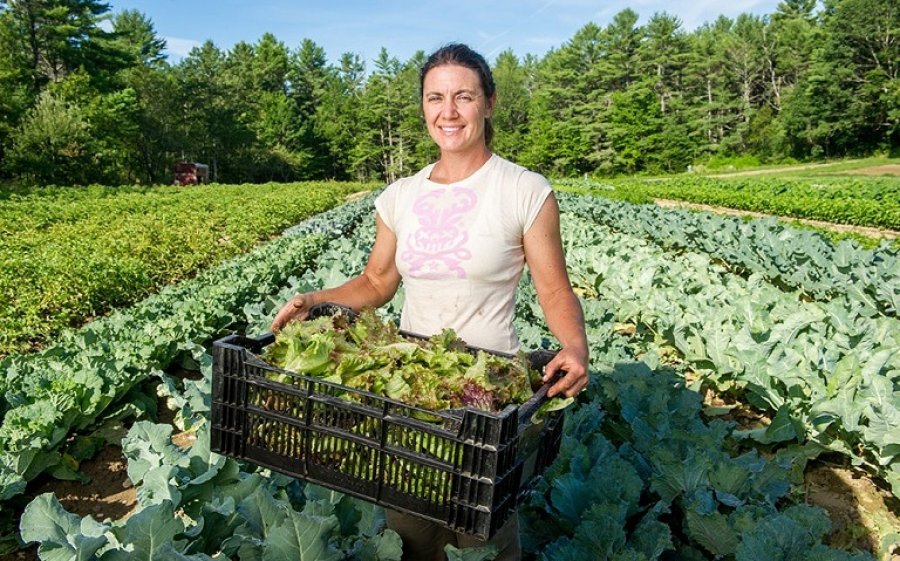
pixel 825 372
pixel 66 387
pixel 640 472
pixel 873 202
pixel 72 255
pixel 789 258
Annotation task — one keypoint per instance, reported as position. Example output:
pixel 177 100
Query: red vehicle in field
pixel 191 173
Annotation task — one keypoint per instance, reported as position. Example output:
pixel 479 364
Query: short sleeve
pixel 534 190
pixel 386 204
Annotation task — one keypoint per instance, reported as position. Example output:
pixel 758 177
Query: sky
pixel 403 27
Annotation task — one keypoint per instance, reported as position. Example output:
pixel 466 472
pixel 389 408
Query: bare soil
pixel 861 511
pixel 885 169
pixel 749 172
pixel 108 494
pixel 842 228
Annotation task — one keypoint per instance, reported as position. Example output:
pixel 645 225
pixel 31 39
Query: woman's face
pixel 455 108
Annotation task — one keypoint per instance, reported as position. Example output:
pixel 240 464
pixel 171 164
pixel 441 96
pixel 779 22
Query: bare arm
pixel 562 310
pixel 374 287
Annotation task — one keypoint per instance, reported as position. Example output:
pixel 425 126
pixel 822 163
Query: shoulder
pixel 405 184
pixel 391 200
pixel 524 178
pixel 523 192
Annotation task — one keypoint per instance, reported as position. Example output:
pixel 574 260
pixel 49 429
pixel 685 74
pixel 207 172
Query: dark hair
pixel 462 55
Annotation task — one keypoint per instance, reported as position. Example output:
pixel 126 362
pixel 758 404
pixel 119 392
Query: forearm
pixel 374 287
pixel 357 293
pixel 565 319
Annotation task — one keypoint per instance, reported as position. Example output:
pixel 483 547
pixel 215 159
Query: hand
pixel 575 364
pixel 297 308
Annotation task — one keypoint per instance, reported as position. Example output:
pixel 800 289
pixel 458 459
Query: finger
pixel 549 371
pixel 571 385
pixel 281 319
pixel 558 388
pixel 562 386
pixel 552 367
pixel 577 389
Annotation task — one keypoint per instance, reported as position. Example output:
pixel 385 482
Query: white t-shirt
pixel 460 251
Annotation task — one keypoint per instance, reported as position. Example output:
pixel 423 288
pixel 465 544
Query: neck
pixel 456 167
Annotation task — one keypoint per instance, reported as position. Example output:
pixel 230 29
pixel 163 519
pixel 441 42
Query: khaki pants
pixel 425 541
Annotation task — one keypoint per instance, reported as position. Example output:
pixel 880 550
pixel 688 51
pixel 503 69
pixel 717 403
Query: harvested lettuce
pixel 369 354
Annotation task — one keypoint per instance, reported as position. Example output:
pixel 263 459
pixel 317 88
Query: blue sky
pixel 403 26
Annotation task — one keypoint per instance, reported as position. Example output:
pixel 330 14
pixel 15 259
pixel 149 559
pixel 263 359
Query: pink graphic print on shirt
pixel 437 248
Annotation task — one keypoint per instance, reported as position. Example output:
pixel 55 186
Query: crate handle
pixel 528 409
pixel 330 309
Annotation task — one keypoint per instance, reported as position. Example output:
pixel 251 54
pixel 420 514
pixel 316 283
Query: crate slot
pixel 464 469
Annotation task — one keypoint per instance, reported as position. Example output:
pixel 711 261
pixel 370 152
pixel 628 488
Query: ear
pixel 492 102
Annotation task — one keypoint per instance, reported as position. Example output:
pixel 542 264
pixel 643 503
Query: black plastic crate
pixel 465 469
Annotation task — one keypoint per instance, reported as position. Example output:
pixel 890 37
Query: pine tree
pixel 338 119
pixel 565 134
pixel 134 34
pixel 56 37
pixel 209 128
pixel 847 103
pixel 510 117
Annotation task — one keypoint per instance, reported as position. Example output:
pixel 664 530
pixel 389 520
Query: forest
pixel 88 96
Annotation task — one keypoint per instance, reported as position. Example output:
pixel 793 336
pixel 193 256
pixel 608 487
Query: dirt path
pixel 108 493
pixel 878 233
pixel 800 167
pixel 885 169
pixel 861 512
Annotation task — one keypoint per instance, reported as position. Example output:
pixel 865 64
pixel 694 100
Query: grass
pixel 802 169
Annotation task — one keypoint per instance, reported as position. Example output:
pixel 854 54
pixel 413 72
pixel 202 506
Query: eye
pixel 464 98
pixel 433 98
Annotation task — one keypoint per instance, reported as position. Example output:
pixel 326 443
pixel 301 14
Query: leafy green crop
pixel 47 395
pixel 363 355
pixel 642 474
pixel 72 255
pixel 870 201
pixel 789 258
pixel 831 366
pixel 371 354
pixel 199 506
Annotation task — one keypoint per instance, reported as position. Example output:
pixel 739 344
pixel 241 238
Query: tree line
pixel 83 101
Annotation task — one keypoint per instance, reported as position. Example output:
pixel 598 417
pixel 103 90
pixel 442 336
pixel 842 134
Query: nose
pixel 448 108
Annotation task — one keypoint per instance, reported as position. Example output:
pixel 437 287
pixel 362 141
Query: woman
pixel 458 234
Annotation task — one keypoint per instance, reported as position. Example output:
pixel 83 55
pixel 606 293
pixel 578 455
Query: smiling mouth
pixel 451 130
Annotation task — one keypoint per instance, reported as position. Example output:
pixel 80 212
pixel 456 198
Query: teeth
pixel 450 129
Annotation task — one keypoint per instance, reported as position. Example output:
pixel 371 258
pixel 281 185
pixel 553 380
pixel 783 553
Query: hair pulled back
pixel 461 55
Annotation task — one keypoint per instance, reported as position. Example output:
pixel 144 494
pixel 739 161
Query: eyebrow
pixel 457 92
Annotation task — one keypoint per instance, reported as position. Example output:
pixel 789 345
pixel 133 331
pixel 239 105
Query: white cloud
pixel 697 13
pixel 544 42
pixel 178 48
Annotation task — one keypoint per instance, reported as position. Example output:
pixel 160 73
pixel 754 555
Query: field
pixel 745 375
pixel 74 254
